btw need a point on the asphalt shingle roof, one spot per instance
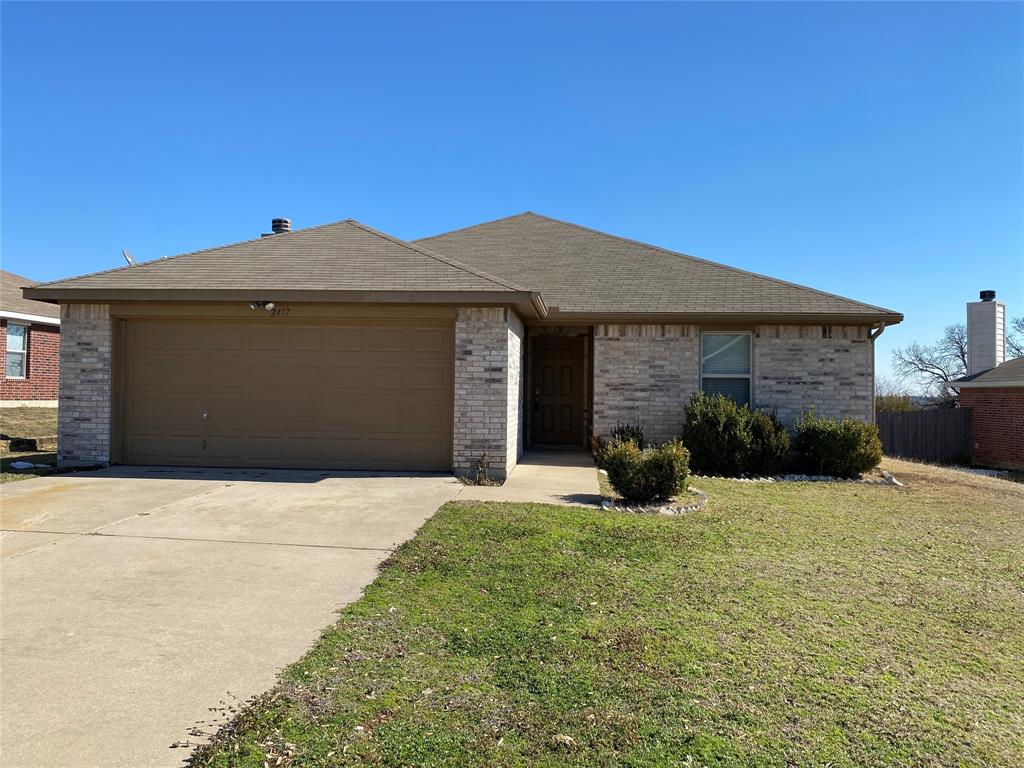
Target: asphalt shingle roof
(1008, 374)
(344, 256)
(11, 299)
(581, 270)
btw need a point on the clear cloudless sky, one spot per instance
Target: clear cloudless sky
(868, 149)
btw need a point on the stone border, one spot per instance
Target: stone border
(672, 508)
(887, 478)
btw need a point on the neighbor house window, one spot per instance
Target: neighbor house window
(725, 365)
(17, 350)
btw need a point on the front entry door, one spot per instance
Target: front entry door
(557, 383)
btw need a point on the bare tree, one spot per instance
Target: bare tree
(1015, 338)
(930, 366)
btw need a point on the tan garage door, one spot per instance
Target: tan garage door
(335, 395)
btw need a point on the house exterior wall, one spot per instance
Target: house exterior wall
(488, 389)
(83, 424)
(830, 367)
(40, 382)
(646, 373)
(997, 425)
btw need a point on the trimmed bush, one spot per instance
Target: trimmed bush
(598, 447)
(768, 452)
(622, 433)
(655, 474)
(729, 439)
(716, 434)
(843, 448)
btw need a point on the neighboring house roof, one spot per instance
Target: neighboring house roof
(16, 307)
(583, 271)
(1008, 374)
(345, 260)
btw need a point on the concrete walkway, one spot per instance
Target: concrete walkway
(135, 598)
(545, 477)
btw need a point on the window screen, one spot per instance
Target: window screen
(725, 365)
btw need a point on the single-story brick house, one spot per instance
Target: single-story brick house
(31, 344)
(996, 400)
(340, 346)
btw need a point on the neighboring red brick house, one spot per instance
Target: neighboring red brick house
(996, 400)
(30, 335)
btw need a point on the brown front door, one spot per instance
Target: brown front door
(557, 382)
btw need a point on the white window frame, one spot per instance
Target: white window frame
(22, 352)
(749, 375)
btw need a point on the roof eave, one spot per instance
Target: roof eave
(865, 318)
(56, 295)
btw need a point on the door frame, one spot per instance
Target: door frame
(582, 339)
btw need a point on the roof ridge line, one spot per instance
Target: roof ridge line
(438, 257)
(161, 259)
(481, 224)
(712, 263)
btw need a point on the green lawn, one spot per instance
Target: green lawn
(786, 624)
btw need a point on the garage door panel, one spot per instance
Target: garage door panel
(345, 395)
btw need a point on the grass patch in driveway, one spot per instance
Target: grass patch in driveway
(786, 624)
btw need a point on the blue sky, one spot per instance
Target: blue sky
(868, 149)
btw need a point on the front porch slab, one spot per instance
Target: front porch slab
(544, 477)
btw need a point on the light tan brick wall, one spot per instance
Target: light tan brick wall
(83, 421)
(644, 374)
(488, 389)
(829, 368)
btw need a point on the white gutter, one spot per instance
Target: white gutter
(30, 318)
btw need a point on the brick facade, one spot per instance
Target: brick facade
(488, 389)
(997, 425)
(42, 364)
(83, 425)
(830, 367)
(645, 373)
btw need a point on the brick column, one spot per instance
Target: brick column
(83, 422)
(488, 389)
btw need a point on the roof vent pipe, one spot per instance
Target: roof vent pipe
(987, 295)
(277, 226)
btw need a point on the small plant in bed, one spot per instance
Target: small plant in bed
(646, 476)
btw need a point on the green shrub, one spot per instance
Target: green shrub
(843, 448)
(717, 434)
(621, 433)
(768, 452)
(654, 474)
(729, 439)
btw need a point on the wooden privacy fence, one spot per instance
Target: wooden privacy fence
(938, 435)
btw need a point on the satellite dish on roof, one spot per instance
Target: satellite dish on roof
(128, 257)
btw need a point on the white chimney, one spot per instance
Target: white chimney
(986, 333)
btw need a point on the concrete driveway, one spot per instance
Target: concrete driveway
(131, 600)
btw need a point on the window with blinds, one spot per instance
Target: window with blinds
(725, 365)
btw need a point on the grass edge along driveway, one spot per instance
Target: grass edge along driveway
(786, 624)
